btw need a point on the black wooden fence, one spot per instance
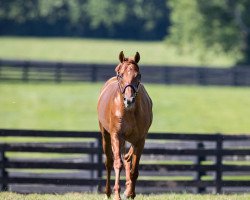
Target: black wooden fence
(64, 71)
(170, 162)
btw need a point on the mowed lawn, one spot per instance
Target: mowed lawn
(83, 196)
(72, 106)
(106, 51)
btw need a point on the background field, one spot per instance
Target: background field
(78, 196)
(106, 51)
(72, 106)
(215, 28)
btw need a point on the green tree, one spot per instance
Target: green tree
(130, 19)
(218, 24)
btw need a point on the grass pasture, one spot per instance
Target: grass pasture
(106, 51)
(72, 106)
(84, 196)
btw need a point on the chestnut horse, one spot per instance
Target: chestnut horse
(124, 114)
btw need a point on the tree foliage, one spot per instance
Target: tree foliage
(134, 19)
(218, 24)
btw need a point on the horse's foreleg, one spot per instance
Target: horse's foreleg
(116, 146)
(106, 144)
(134, 172)
(127, 164)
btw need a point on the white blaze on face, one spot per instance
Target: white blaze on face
(126, 104)
(128, 92)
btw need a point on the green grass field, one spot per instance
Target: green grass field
(84, 196)
(105, 51)
(72, 106)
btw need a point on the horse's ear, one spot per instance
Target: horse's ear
(137, 57)
(121, 56)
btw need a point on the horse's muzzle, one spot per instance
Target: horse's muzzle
(128, 102)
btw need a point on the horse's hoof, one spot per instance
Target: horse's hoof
(106, 197)
(124, 197)
(117, 199)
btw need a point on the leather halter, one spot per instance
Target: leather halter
(134, 88)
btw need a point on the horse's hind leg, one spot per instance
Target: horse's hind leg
(106, 144)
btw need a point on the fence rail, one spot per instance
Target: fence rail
(24, 70)
(208, 163)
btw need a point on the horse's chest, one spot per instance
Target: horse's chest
(130, 130)
(128, 126)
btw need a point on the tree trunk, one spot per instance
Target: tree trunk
(246, 51)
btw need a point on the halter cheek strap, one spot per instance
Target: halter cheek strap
(135, 89)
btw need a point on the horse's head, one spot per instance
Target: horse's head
(129, 77)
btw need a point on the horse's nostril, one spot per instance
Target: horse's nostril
(129, 101)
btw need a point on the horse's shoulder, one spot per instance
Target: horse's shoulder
(108, 86)
(109, 82)
(144, 91)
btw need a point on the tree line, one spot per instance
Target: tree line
(221, 25)
(130, 19)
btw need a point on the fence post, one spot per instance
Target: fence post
(167, 75)
(219, 148)
(199, 161)
(100, 161)
(202, 76)
(58, 76)
(91, 160)
(25, 77)
(3, 172)
(234, 72)
(0, 70)
(94, 73)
